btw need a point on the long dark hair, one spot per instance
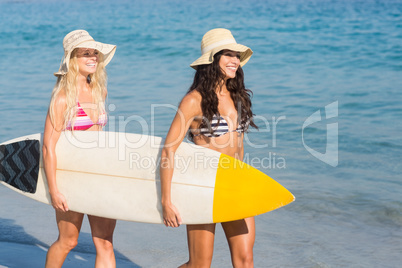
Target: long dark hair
(210, 76)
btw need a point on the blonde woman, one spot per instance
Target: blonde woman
(217, 110)
(77, 104)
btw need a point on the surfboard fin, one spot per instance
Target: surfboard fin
(19, 164)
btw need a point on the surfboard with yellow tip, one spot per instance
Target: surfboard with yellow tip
(116, 175)
(243, 191)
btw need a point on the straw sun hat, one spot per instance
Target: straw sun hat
(216, 40)
(81, 38)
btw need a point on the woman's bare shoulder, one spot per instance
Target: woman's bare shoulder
(191, 103)
(61, 98)
(192, 98)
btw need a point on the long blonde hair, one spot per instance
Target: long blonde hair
(67, 84)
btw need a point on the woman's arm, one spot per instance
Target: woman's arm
(50, 137)
(189, 108)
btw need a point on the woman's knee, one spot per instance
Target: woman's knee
(69, 243)
(244, 259)
(102, 244)
(248, 259)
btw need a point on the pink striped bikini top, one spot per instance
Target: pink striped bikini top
(83, 121)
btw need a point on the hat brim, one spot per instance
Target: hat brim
(106, 49)
(208, 57)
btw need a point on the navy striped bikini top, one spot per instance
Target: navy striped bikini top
(220, 127)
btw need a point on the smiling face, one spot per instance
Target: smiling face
(87, 60)
(229, 62)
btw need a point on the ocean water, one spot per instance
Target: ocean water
(326, 77)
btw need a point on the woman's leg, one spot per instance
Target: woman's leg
(102, 234)
(69, 225)
(200, 239)
(241, 236)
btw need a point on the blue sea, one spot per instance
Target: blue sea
(326, 78)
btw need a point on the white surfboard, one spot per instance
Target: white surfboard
(116, 175)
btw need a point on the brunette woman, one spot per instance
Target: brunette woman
(216, 111)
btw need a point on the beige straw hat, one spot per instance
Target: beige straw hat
(81, 38)
(216, 40)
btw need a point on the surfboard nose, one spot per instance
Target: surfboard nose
(241, 189)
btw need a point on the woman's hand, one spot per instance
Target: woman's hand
(59, 202)
(171, 216)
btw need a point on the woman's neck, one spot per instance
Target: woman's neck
(82, 84)
(222, 89)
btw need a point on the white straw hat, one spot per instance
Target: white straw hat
(81, 38)
(216, 40)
